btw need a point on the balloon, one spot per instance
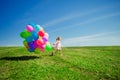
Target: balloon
(22, 34)
(40, 37)
(27, 47)
(39, 42)
(29, 28)
(47, 35)
(29, 39)
(44, 39)
(36, 39)
(47, 46)
(38, 28)
(42, 47)
(35, 35)
(32, 24)
(41, 33)
(25, 34)
(31, 50)
(25, 43)
(32, 45)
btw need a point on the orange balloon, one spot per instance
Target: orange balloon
(40, 37)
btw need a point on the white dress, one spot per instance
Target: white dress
(57, 45)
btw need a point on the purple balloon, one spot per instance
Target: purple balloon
(32, 45)
(45, 39)
(31, 50)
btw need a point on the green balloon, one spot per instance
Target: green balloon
(25, 34)
(48, 47)
(22, 34)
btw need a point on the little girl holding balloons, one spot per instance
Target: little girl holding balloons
(57, 46)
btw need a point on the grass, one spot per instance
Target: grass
(77, 63)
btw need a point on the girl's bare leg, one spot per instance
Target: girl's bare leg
(55, 52)
(60, 52)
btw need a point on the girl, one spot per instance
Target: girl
(57, 46)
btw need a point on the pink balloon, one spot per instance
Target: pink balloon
(39, 42)
(42, 47)
(46, 35)
(29, 28)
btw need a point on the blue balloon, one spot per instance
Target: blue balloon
(34, 35)
(32, 24)
(37, 28)
(29, 39)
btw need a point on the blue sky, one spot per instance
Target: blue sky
(78, 22)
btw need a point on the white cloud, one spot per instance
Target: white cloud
(93, 40)
(75, 15)
(88, 21)
(99, 18)
(78, 14)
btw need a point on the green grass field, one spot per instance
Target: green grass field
(77, 63)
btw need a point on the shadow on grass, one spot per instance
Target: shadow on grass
(21, 58)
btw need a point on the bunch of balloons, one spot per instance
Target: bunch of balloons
(36, 39)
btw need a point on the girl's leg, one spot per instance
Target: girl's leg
(60, 52)
(54, 53)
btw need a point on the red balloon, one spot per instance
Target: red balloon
(41, 33)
